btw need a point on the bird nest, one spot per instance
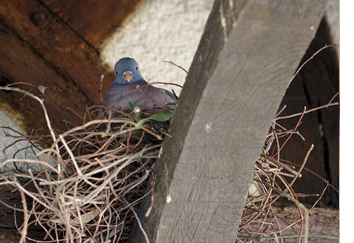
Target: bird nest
(92, 191)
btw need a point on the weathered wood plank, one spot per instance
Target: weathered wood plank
(56, 43)
(20, 64)
(246, 57)
(94, 20)
(39, 48)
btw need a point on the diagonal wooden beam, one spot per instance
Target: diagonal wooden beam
(241, 70)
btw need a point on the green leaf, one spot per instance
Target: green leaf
(161, 117)
(141, 122)
(157, 117)
(131, 105)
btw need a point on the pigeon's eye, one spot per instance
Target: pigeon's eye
(116, 73)
(137, 68)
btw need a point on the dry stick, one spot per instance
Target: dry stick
(270, 159)
(45, 114)
(76, 204)
(128, 140)
(264, 219)
(109, 219)
(41, 193)
(180, 86)
(286, 227)
(55, 143)
(11, 207)
(71, 155)
(304, 209)
(98, 189)
(297, 125)
(98, 170)
(176, 66)
(140, 140)
(278, 146)
(109, 121)
(332, 99)
(19, 186)
(276, 221)
(138, 220)
(308, 111)
(29, 161)
(298, 70)
(292, 192)
(151, 99)
(43, 89)
(265, 203)
(283, 134)
(110, 184)
(249, 235)
(319, 198)
(303, 163)
(270, 205)
(113, 137)
(134, 183)
(101, 214)
(143, 178)
(276, 198)
(313, 174)
(25, 217)
(100, 88)
(275, 135)
(25, 138)
(44, 228)
(148, 211)
(43, 107)
(257, 214)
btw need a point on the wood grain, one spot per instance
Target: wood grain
(94, 20)
(240, 72)
(39, 48)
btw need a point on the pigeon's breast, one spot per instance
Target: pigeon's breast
(139, 93)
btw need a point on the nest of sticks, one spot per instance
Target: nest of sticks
(100, 175)
(273, 179)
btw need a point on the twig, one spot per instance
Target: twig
(304, 209)
(298, 70)
(138, 220)
(176, 66)
(25, 217)
(42, 104)
(100, 88)
(303, 164)
(308, 111)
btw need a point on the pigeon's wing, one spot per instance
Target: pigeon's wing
(114, 94)
(170, 95)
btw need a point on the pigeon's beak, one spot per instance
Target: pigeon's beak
(128, 75)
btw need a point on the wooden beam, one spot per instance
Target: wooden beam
(241, 70)
(94, 20)
(53, 41)
(37, 47)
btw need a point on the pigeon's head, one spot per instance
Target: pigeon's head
(127, 71)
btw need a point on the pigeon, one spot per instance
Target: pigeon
(130, 86)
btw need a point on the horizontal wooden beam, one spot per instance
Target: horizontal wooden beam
(37, 47)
